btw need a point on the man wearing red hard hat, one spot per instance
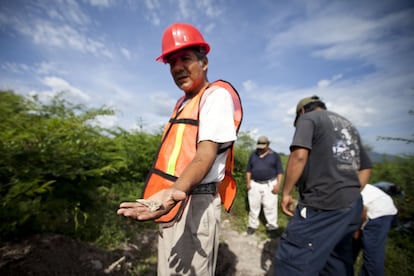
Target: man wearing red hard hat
(191, 174)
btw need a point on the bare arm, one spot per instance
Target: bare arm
(296, 164)
(357, 233)
(363, 176)
(248, 178)
(276, 188)
(191, 176)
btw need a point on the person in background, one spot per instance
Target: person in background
(329, 165)
(377, 217)
(193, 166)
(263, 177)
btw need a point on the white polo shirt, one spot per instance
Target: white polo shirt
(378, 202)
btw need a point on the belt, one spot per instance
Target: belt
(207, 188)
(264, 181)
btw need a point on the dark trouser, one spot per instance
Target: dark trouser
(373, 242)
(320, 244)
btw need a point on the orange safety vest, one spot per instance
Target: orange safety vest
(178, 148)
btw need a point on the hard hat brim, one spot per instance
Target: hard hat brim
(162, 57)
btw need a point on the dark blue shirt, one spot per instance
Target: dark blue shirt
(264, 168)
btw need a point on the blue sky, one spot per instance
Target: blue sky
(358, 56)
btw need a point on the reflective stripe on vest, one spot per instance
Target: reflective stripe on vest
(178, 148)
(172, 162)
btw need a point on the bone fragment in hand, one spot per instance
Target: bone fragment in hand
(151, 204)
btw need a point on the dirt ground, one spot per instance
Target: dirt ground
(239, 255)
(245, 255)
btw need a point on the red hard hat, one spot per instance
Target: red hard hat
(179, 36)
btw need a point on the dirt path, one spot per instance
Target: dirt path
(245, 255)
(50, 254)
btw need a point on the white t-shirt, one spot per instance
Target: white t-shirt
(216, 123)
(377, 202)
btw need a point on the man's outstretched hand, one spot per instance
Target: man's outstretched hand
(166, 200)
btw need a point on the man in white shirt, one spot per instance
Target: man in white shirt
(379, 212)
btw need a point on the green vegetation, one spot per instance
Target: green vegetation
(61, 173)
(400, 244)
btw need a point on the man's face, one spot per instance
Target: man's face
(188, 72)
(261, 151)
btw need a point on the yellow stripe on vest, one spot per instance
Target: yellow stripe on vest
(172, 161)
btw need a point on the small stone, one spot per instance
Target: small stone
(151, 204)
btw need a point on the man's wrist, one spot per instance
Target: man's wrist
(177, 195)
(174, 189)
(285, 193)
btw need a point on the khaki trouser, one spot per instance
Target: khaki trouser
(190, 245)
(260, 194)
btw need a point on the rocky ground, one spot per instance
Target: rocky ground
(239, 255)
(245, 255)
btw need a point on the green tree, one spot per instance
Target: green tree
(53, 159)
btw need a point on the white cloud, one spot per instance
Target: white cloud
(335, 31)
(100, 3)
(60, 85)
(248, 85)
(209, 28)
(106, 121)
(47, 31)
(184, 8)
(64, 36)
(210, 10)
(152, 4)
(16, 68)
(371, 104)
(88, 50)
(326, 83)
(152, 14)
(43, 68)
(192, 10)
(50, 68)
(323, 83)
(154, 18)
(126, 53)
(67, 11)
(161, 103)
(339, 35)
